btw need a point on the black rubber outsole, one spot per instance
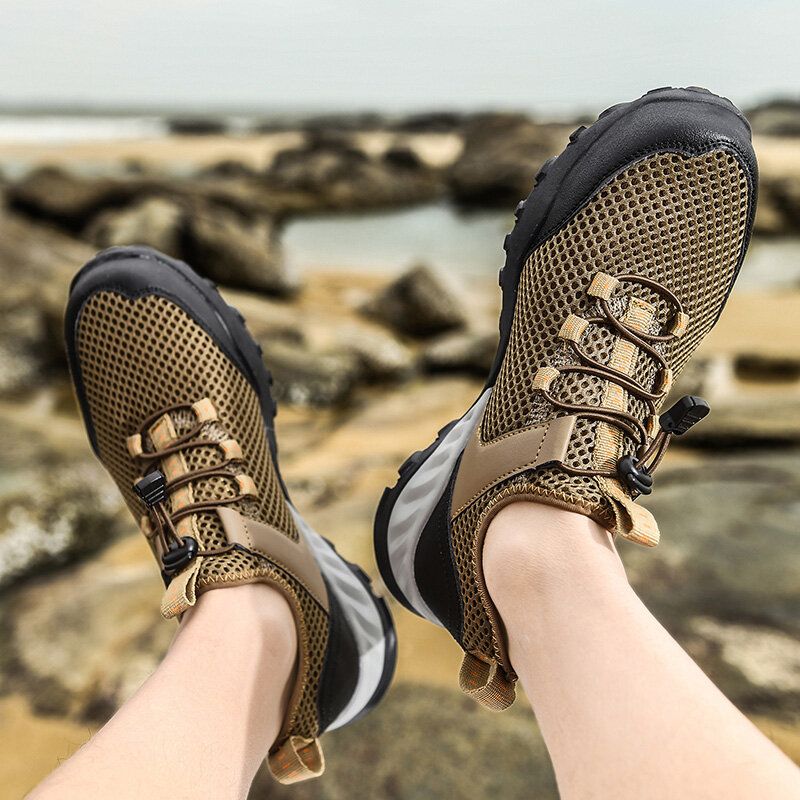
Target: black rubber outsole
(531, 228)
(249, 357)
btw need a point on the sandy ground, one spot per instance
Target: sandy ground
(184, 153)
(778, 157)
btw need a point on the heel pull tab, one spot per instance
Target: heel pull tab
(296, 759)
(486, 683)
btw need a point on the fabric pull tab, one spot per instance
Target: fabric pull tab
(633, 522)
(296, 759)
(486, 683)
(181, 595)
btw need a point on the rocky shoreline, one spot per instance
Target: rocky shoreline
(367, 367)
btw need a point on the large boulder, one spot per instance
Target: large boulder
(308, 377)
(777, 118)
(471, 352)
(23, 338)
(154, 221)
(80, 642)
(237, 250)
(724, 577)
(333, 173)
(36, 266)
(501, 155)
(375, 754)
(57, 505)
(197, 126)
(416, 304)
(778, 206)
(69, 200)
(379, 356)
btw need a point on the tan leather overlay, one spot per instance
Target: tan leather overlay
(292, 556)
(484, 465)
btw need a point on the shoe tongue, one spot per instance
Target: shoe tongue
(174, 424)
(183, 420)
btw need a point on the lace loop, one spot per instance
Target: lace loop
(164, 519)
(648, 451)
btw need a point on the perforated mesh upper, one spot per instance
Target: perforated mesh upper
(140, 356)
(678, 220)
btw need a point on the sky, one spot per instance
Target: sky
(552, 57)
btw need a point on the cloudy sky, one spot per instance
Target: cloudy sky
(555, 56)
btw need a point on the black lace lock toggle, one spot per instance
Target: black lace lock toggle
(634, 477)
(179, 556)
(152, 489)
(687, 412)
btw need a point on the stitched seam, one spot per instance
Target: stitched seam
(274, 562)
(505, 475)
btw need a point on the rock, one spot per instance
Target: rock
(710, 377)
(84, 640)
(742, 415)
(197, 126)
(57, 505)
(375, 754)
(768, 660)
(402, 158)
(760, 367)
(469, 352)
(728, 554)
(416, 304)
(380, 357)
(778, 210)
(237, 251)
(749, 423)
(154, 221)
(23, 338)
(770, 216)
(501, 155)
(777, 118)
(332, 173)
(788, 198)
(69, 200)
(58, 519)
(325, 123)
(36, 266)
(306, 377)
(228, 168)
(430, 122)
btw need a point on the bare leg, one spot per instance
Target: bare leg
(202, 723)
(624, 711)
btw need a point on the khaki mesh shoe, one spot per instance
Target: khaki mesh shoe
(177, 406)
(619, 264)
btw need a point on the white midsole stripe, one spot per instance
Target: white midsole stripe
(417, 500)
(362, 615)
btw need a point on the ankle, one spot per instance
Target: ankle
(255, 612)
(535, 548)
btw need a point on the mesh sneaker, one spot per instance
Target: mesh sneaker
(177, 406)
(620, 262)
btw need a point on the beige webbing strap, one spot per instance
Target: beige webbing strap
(486, 683)
(296, 759)
(632, 521)
(181, 593)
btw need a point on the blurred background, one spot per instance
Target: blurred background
(347, 172)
